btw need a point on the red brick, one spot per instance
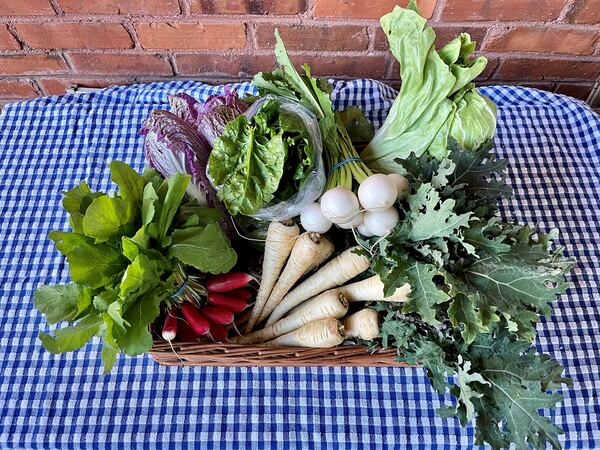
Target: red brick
(17, 89)
(324, 38)
(344, 66)
(25, 8)
(581, 91)
(503, 10)
(261, 7)
(74, 35)
(444, 34)
(248, 65)
(542, 86)
(545, 40)
(119, 64)
(7, 41)
(142, 7)
(32, 65)
(228, 65)
(58, 86)
(191, 35)
(585, 11)
(547, 69)
(374, 9)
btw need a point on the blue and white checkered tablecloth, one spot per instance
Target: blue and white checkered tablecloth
(48, 145)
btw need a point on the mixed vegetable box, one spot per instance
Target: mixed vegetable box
(277, 221)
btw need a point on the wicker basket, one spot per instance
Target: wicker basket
(233, 355)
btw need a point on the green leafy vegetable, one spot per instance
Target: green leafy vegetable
(478, 288)
(123, 255)
(62, 302)
(247, 160)
(205, 248)
(437, 99)
(314, 95)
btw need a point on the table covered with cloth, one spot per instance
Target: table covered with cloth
(48, 145)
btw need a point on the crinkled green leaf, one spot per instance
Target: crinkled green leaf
(463, 313)
(432, 218)
(205, 248)
(62, 302)
(247, 163)
(396, 331)
(425, 292)
(518, 383)
(514, 286)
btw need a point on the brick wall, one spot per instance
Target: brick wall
(47, 44)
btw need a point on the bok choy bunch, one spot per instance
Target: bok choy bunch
(437, 99)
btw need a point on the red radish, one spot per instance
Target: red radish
(236, 305)
(228, 282)
(169, 330)
(217, 314)
(196, 320)
(185, 333)
(218, 333)
(244, 294)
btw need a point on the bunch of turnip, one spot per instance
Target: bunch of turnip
(371, 212)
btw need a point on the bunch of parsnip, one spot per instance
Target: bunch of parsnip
(314, 313)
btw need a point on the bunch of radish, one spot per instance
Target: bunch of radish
(371, 213)
(226, 296)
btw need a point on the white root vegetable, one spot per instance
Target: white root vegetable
(339, 205)
(362, 229)
(371, 289)
(336, 272)
(329, 304)
(381, 223)
(363, 324)
(377, 193)
(312, 219)
(320, 334)
(279, 244)
(401, 184)
(354, 222)
(308, 252)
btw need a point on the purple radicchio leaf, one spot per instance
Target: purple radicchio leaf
(208, 118)
(171, 146)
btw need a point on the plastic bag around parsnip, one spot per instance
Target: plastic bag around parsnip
(231, 163)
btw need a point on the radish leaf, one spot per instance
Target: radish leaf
(205, 248)
(62, 302)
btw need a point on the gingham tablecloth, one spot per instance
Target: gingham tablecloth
(48, 145)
